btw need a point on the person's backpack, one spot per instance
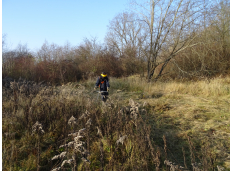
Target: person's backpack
(101, 80)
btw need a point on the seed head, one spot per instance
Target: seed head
(67, 161)
(121, 139)
(72, 121)
(13, 85)
(60, 156)
(89, 122)
(37, 128)
(56, 169)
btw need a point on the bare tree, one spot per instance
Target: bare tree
(124, 38)
(221, 23)
(211, 55)
(89, 48)
(4, 44)
(171, 27)
(124, 31)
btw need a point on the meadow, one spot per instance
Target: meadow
(163, 125)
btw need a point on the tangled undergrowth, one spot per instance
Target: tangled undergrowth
(66, 128)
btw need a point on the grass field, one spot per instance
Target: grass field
(199, 109)
(185, 121)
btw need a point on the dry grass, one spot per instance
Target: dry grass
(198, 109)
(123, 133)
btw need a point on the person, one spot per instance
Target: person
(103, 84)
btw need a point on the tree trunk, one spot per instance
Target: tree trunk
(151, 73)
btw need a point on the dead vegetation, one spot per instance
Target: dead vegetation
(74, 131)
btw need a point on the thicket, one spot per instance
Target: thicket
(78, 66)
(209, 57)
(126, 51)
(203, 60)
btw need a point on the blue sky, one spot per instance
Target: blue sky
(32, 22)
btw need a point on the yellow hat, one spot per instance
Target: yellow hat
(103, 75)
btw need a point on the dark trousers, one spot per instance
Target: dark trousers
(104, 96)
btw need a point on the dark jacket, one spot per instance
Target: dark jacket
(103, 83)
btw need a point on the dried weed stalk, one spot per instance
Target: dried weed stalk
(77, 146)
(37, 129)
